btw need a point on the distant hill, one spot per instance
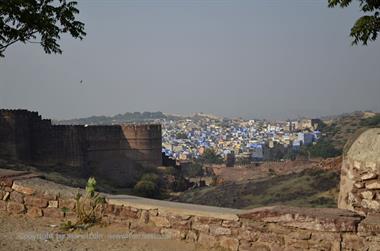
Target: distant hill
(339, 129)
(309, 188)
(128, 117)
(133, 117)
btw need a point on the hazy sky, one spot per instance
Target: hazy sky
(266, 59)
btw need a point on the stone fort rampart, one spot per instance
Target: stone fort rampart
(114, 152)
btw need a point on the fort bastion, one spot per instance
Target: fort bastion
(116, 152)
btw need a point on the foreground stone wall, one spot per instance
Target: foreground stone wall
(271, 228)
(360, 175)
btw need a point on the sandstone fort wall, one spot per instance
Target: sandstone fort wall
(114, 152)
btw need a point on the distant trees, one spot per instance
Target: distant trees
(181, 135)
(194, 169)
(210, 157)
(148, 186)
(372, 121)
(367, 27)
(322, 148)
(38, 21)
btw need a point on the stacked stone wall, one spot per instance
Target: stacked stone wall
(272, 228)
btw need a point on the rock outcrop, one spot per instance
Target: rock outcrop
(360, 175)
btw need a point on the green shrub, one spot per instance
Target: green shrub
(154, 178)
(193, 170)
(372, 121)
(88, 208)
(147, 188)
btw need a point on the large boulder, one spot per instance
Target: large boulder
(360, 176)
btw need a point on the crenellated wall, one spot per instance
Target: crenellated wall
(115, 153)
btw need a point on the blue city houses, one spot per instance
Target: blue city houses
(246, 137)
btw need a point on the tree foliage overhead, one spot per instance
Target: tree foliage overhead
(367, 27)
(38, 21)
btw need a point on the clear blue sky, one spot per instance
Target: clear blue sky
(267, 59)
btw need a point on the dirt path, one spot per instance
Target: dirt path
(23, 233)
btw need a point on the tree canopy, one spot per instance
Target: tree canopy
(38, 21)
(367, 27)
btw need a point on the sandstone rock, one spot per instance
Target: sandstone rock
(144, 217)
(229, 243)
(300, 235)
(260, 247)
(357, 165)
(271, 238)
(231, 223)
(245, 246)
(181, 224)
(53, 212)
(171, 233)
(371, 204)
(109, 209)
(216, 231)
(352, 199)
(16, 197)
(368, 176)
(16, 208)
(6, 195)
(359, 185)
(368, 195)
(160, 221)
(245, 235)
(128, 212)
(294, 244)
(207, 240)
(208, 220)
(192, 236)
(149, 229)
(3, 205)
(67, 203)
(48, 195)
(23, 189)
(34, 212)
(36, 202)
(201, 227)
(352, 242)
(153, 212)
(336, 246)
(371, 165)
(53, 203)
(373, 185)
(370, 226)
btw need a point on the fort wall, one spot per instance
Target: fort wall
(115, 153)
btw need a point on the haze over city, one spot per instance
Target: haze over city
(266, 59)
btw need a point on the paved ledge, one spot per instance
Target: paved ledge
(320, 219)
(175, 207)
(7, 177)
(36, 185)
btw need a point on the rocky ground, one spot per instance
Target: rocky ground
(23, 233)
